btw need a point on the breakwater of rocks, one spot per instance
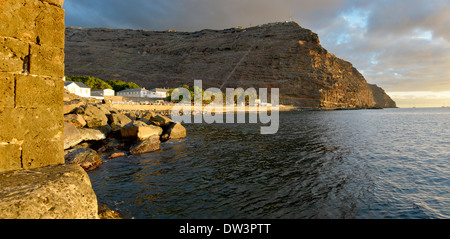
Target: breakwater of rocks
(94, 131)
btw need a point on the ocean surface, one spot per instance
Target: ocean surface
(392, 163)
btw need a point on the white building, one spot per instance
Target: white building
(77, 88)
(141, 92)
(102, 93)
(158, 93)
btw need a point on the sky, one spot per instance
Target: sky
(402, 46)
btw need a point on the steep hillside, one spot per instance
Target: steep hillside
(276, 55)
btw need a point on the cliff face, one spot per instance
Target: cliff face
(382, 100)
(278, 55)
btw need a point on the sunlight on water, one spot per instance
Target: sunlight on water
(340, 164)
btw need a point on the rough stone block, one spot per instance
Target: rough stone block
(10, 156)
(17, 18)
(70, 106)
(31, 124)
(36, 124)
(57, 192)
(12, 54)
(42, 153)
(39, 92)
(94, 117)
(34, 21)
(75, 119)
(87, 158)
(151, 144)
(9, 125)
(175, 131)
(71, 135)
(50, 27)
(146, 132)
(6, 90)
(46, 61)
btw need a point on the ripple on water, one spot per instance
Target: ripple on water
(343, 164)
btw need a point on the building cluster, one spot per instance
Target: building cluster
(157, 93)
(83, 90)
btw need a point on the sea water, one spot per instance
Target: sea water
(392, 163)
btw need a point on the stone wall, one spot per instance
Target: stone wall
(31, 86)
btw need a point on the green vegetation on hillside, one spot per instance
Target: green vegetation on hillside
(192, 90)
(119, 85)
(98, 84)
(92, 82)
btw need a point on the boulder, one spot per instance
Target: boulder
(87, 158)
(118, 121)
(148, 131)
(140, 130)
(148, 115)
(130, 130)
(106, 129)
(79, 111)
(112, 145)
(104, 212)
(131, 115)
(71, 135)
(175, 131)
(78, 146)
(55, 192)
(151, 144)
(75, 119)
(94, 117)
(91, 134)
(104, 108)
(161, 121)
(70, 106)
(116, 155)
(113, 110)
(145, 120)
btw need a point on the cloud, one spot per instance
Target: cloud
(192, 15)
(400, 17)
(401, 45)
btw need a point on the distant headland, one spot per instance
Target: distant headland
(277, 55)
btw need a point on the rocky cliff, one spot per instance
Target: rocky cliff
(382, 100)
(276, 55)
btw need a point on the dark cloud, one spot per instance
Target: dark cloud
(401, 45)
(191, 15)
(404, 17)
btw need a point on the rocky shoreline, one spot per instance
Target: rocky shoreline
(94, 131)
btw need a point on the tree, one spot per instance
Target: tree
(92, 82)
(119, 85)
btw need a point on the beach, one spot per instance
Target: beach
(167, 108)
